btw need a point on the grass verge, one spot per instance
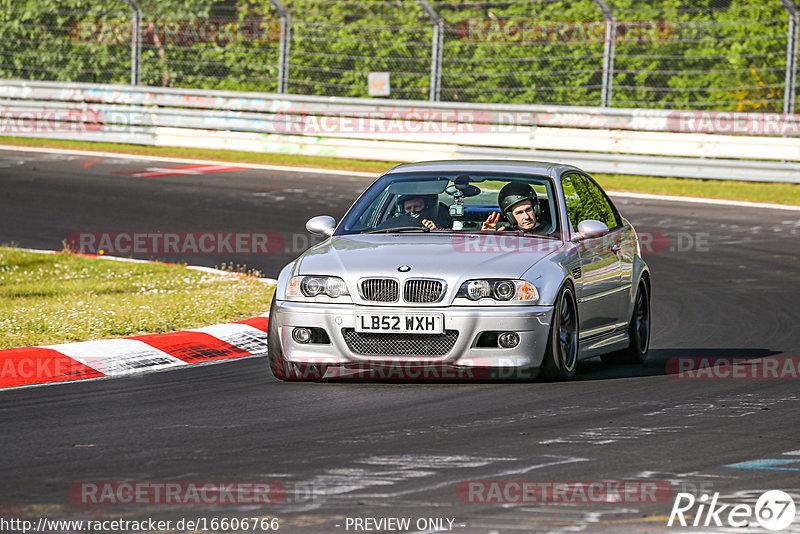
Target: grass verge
(775, 193)
(772, 193)
(61, 298)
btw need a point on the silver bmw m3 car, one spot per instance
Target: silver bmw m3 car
(465, 270)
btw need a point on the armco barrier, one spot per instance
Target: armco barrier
(627, 141)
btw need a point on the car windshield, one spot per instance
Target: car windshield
(455, 202)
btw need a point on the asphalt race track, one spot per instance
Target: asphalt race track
(725, 283)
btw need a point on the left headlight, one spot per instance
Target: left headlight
(499, 290)
(316, 286)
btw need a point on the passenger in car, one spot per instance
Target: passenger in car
(518, 204)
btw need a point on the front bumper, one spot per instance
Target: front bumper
(531, 323)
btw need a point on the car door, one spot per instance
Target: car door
(599, 287)
(623, 242)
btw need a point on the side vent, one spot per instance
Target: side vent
(577, 273)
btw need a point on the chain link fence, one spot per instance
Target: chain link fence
(684, 54)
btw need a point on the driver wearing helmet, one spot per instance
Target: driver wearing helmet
(518, 203)
(420, 207)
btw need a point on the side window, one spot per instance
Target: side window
(605, 211)
(580, 205)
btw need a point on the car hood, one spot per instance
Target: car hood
(452, 257)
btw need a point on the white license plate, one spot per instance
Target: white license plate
(400, 323)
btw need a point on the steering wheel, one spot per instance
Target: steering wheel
(404, 220)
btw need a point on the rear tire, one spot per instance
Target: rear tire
(282, 368)
(561, 355)
(638, 332)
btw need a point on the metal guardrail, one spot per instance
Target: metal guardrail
(614, 140)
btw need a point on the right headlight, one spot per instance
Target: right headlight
(498, 289)
(315, 286)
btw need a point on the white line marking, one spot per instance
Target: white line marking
(112, 258)
(210, 270)
(200, 268)
(560, 461)
(644, 196)
(427, 461)
(700, 200)
(187, 160)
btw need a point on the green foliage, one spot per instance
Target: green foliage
(60, 298)
(36, 44)
(705, 54)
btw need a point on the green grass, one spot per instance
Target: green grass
(62, 298)
(776, 193)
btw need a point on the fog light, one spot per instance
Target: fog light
(301, 335)
(508, 340)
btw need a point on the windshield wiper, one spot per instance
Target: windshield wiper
(400, 229)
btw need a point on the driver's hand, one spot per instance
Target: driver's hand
(491, 222)
(429, 224)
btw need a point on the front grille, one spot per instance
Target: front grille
(418, 290)
(400, 344)
(380, 289)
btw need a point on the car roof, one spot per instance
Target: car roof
(478, 165)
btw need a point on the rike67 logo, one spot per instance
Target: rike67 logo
(774, 510)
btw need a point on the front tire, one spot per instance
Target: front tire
(638, 331)
(561, 355)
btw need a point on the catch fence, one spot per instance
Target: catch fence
(724, 55)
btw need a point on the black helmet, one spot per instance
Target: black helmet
(514, 193)
(429, 201)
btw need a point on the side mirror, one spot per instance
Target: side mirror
(588, 229)
(322, 224)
